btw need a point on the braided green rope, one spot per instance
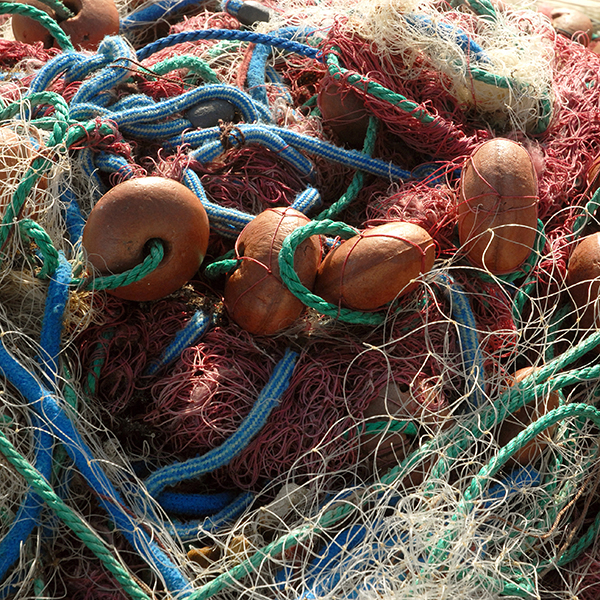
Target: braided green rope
(251, 564)
(38, 166)
(187, 61)
(292, 281)
(43, 18)
(375, 89)
(112, 282)
(97, 363)
(466, 505)
(590, 210)
(38, 234)
(359, 177)
(70, 518)
(222, 265)
(62, 11)
(483, 8)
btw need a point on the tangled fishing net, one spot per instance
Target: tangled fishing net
(443, 446)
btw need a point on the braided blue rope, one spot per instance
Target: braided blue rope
(304, 143)
(193, 529)
(226, 221)
(467, 335)
(117, 56)
(53, 68)
(80, 71)
(27, 516)
(307, 200)
(48, 409)
(85, 157)
(255, 134)
(217, 457)
(250, 110)
(194, 329)
(74, 219)
(112, 163)
(423, 24)
(230, 35)
(349, 158)
(194, 505)
(157, 131)
(231, 6)
(255, 78)
(149, 15)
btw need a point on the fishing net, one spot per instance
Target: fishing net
(444, 445)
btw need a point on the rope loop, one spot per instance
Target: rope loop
(292, 281)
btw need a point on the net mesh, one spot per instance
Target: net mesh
(390, 456)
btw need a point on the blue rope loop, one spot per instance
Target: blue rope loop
(230, 35)
(268, 399)
(28, 514)
(49, 410)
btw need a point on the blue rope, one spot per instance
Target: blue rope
(307, 200)
(86, 160)
(230, 35)
(194, 329)
(226, 221)
(74, 219)
(112, 163)
(48, 408)
(193, 529)
(249, 109)
(255, 78)
(467, 335)
(304, 143)
(29, 511)
(231, 6)
(255, 134)
(445, 31)
(217, 457)
(194, 505)
(149, 15)
(117, 56)
(53, 68)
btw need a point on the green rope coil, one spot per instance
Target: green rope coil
(38, 234)
(292, 281)
(476, 486)
(79, 527)
(137, 273)
(41, 17)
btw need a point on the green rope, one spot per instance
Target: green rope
(250, 565)
(62, 12)
(79, 527)
(38, 166)
(483, 8)
(41, 17)
(589, 211)
(375, 89)
(112, 282)
(38, 234)
(292, 281)
(187, 61)
(359, 177)
(466, 505)
(221, 266)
